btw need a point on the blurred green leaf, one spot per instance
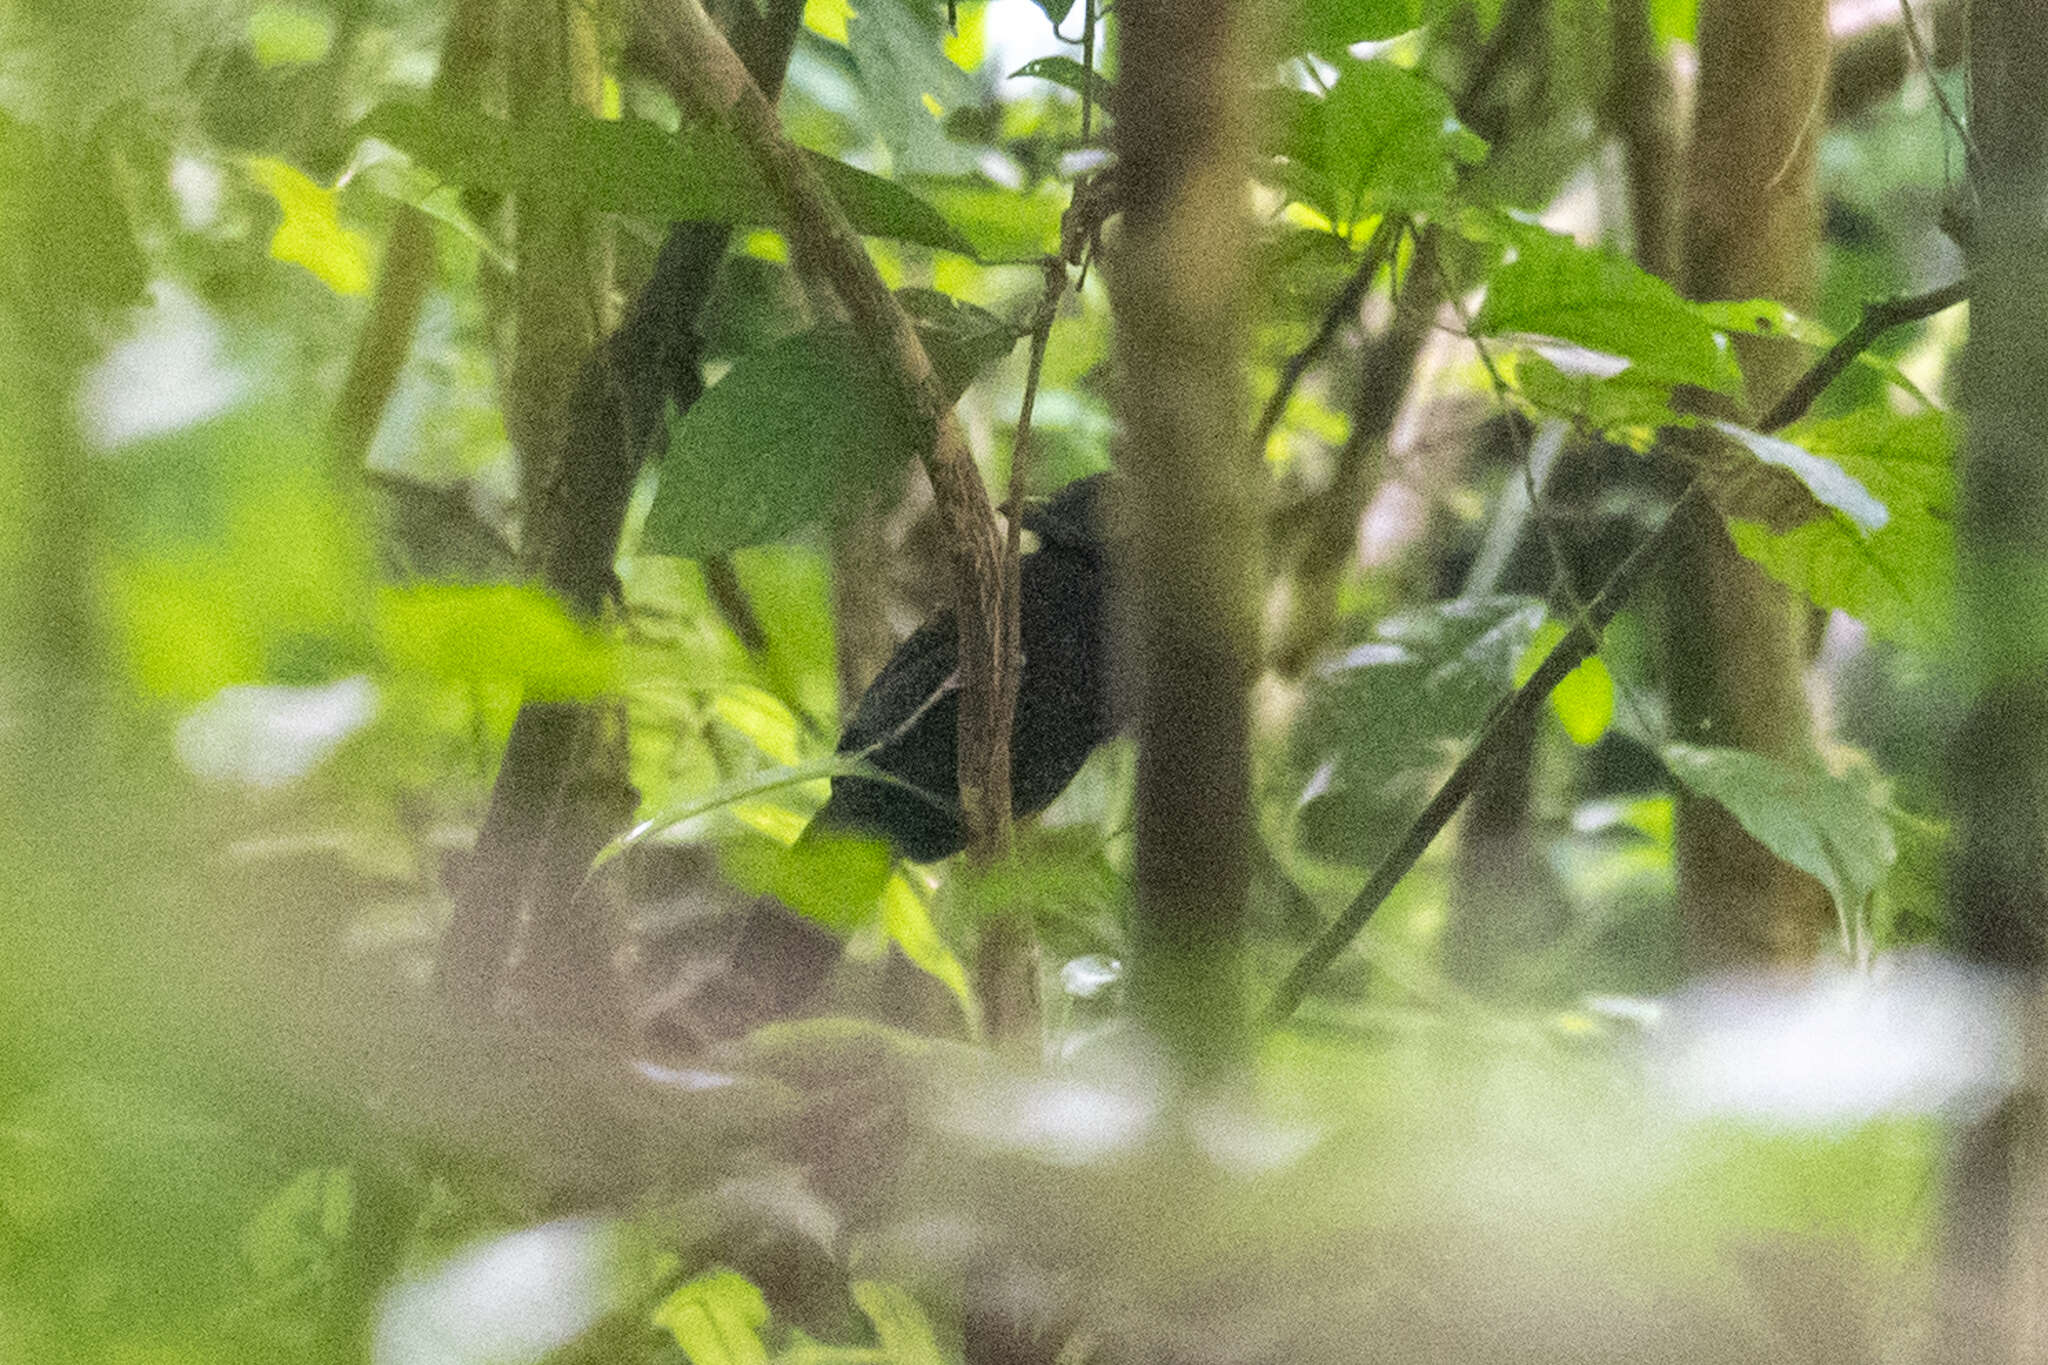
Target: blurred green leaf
(1829, 827)
(311, 233)
(1329, 27)
(905, 1331)
(631, 166)
(1385, 717)
(289, 35)
(65, 230)
(495, 632)
(1583, 701)
(1606, 303)
(717, 1319)
(1389, 140)
(833, 878)
(909, 926)
(1899, 580)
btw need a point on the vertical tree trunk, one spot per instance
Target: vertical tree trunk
(1190, 626)
(1737, 639)
(1997, 1233)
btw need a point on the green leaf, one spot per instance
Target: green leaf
(1606, 303)
(1769, 318)
(289, 35)
(1829, 827)
(1329, 27)
(1384, 718)
(899, 50)
(827, 876)
(768, 448)
(1001, 225)
(1827, 481)
(494, 633)
(1675, 21)
(1056, 10)
(717, 1319)
(961, 339)
(1898, 580)
(1389, 139)
(909, 926)
(900, 1323)
(1069, 74)
(631, 166)
(311, 233)
(1583, 700)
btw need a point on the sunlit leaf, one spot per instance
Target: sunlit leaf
(833, 878)
(909, 926)
(289, 35)
(1583, 701)
(311, 234)
(1605, 302)
(1899, 580)
(717, 1319)
(1827, 826)
(1829, 483)
(495, 632)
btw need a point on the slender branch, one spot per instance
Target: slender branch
(1342, 309)
(1972, 159)
(1006, 959)
(706, 77)
(1878, 318)
(1584, 637)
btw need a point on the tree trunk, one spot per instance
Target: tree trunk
(1737, 639)
(1189, 621)
(1997, 1227)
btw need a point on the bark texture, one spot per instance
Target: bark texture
(1177, 281)
(1738, 639)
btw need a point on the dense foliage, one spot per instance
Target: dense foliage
(270, 621)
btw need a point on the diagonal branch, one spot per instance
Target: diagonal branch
(706, 78)
(1520, 706)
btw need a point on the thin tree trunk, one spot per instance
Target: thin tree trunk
(1996, 1243)
(1190, 628)
(1737, 639)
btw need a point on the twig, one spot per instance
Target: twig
(1570, 652)
(1878, 318)
(1973, 161)
(1006, 961)
(1342, 309)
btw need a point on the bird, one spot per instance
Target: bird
(907, 721)
(906, 725)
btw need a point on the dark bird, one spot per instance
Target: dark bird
(907, 725)
(907, 722)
